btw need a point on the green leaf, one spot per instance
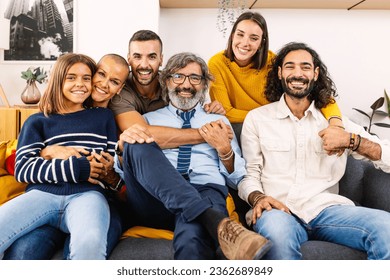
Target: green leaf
(382, 124)
(362, 112)
(388, 103)
(378, 103)
(381, 113)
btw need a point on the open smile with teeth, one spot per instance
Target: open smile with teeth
(297, 84)
(242, 51)
(78, 92)
(99, 90)
(144, 72)
(185, 94)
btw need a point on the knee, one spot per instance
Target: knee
(285, 233)
(139, 150)
(88, 247)
(279, 227)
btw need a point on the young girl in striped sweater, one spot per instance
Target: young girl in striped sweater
(63, 193)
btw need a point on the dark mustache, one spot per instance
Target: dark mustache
(189, 90)
(295, 79)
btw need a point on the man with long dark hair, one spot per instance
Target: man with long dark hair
(292, 178)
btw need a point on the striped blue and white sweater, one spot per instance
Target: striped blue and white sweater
(92, 129)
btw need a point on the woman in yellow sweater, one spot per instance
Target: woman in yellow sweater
(241, 70)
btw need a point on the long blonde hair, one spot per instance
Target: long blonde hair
(52, 101)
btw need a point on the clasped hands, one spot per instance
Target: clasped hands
(101, 164)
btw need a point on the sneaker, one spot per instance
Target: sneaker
(239, 243)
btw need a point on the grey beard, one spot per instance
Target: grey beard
(184, 103)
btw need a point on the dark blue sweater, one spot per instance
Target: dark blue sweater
(91, 129)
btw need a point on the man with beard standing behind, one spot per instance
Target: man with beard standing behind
(142, 94)
(189, 197)
(291, 181)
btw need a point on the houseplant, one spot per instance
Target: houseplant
(376, 112)
(31, 93)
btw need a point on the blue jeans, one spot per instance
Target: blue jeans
(159, 197)
(356, 227)
(42, 243)
(84, 215)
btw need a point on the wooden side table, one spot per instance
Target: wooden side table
(24, 112)
(9, 123)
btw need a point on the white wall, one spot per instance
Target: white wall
(353, 44)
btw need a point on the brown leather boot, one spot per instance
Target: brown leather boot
(239, 243)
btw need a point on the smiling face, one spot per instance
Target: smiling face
(298, 74)
(246, 42)
(77, 86)
(108, 80)
(145, 59)
(185, 96)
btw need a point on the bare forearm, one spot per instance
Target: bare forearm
(168, 137)
(227, 158)
(369, 149)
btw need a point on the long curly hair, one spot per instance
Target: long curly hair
(324, 91)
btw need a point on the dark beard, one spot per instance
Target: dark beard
(295, 93)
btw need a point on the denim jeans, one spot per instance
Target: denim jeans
(42, 243)
(158, 196)
(356, 227)
(84, 215)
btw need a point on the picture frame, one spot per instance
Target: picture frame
(40, 31)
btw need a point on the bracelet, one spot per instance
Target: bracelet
(352, 137)
(358, 143)
(257, 199)
(227, 156)
(335, 117)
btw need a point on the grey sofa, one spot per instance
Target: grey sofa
(362, 183)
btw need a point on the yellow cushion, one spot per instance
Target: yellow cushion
(10, 147)
(10, 188)
(3, 172)
(147, 232)
(3, 150)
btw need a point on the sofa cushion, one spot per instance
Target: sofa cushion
(10, 163)
(10, 188)
(322, 250)
(351, 184)
(143, 249)
(3, 150)
(377, 188)
(147, 232)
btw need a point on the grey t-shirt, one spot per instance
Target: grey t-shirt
(130, 100)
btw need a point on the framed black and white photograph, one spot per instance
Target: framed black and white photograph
(40, 30)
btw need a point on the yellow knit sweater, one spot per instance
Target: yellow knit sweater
(241, 89)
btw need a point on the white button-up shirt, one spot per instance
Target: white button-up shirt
(285, 159)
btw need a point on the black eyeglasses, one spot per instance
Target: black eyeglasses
(194, 79)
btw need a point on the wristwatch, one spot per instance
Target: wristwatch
(117, 150)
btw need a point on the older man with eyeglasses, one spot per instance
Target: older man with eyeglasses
(184, 189)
